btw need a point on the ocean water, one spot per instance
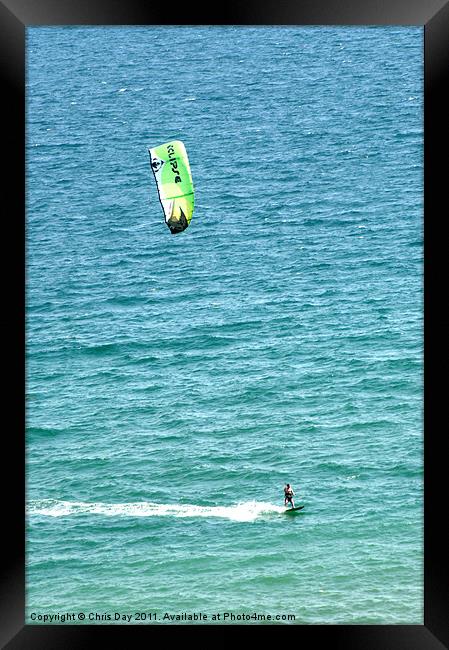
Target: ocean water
(175, 383)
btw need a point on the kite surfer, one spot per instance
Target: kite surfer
(288, 495)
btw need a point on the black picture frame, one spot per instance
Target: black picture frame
(433, 16)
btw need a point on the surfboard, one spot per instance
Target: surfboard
(293, 509)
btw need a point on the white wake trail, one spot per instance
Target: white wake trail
(247, 511)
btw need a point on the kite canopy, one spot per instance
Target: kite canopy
(171, 170)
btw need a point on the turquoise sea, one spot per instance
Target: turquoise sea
(174, 384)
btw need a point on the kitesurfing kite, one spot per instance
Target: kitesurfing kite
(171, 171)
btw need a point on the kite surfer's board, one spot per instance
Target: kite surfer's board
(293, 509)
